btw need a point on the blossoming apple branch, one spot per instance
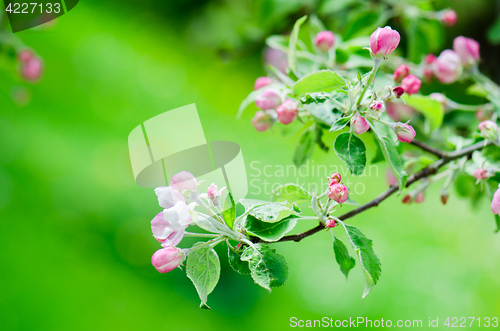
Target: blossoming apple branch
(351, 103)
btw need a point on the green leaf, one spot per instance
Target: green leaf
(392, 157)
(268, 268)
(252, 203)
(271, 212)
(290, 192)
(203, 268)
(305, 147)
(270, 231)
(352, 151)
(319, 81)
(477, 90)
(431, 109)
(369, 261)
(323, 114)
(235, 261)
(345, 261)
(292, 46)
(319, 97)
(340, 124)
(229, 210)
(494, 32)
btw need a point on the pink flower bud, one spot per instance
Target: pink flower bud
(338, 193)
(262, 121)
(481, 173)
(467, 49)
(401, 72)
(377, 105)
(31, 69)
(447, 67)
(489, 129)
(262, 81)
(391, 179)
(495, 203)
(276, 58)
(167, 259)
(183, 180)
(330, 224)
(324, 40)
(398, 91)
(430, 58)
(411, 84)
(25, 55)
(404, 132)
(448, 17)
(335, 178)
(428, 74)
(420, 197)
(287, 112)
(269, 99)
(399, 111)
(384, 41)
(407, 199)
(440, 97)
(483, 115)
(212, 191)
(359, 124)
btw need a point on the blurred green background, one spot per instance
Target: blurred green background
(75, 238)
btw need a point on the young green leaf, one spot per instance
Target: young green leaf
(235, 261)
(229, 210)
(431, 109)
(345, 261)
(369, 261)
(203, 268)
(272, 212)
(270, 231)
(292, 46)
(392, 157)
(340, 124)
(304, 148)
(324, 114)
(352, 151)
(290, 192)
(268, 268)
(252, 203)
(319, 81)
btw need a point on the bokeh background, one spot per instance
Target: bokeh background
(75, 238)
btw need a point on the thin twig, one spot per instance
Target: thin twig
(439, 153)
(426, 172)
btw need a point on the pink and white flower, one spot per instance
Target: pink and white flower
(168, 196)
(495, 203)
(448, 17)
(262, 121)
(489, 130)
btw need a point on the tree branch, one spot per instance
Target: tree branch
(426, 172)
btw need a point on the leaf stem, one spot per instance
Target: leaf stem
(376, 64)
